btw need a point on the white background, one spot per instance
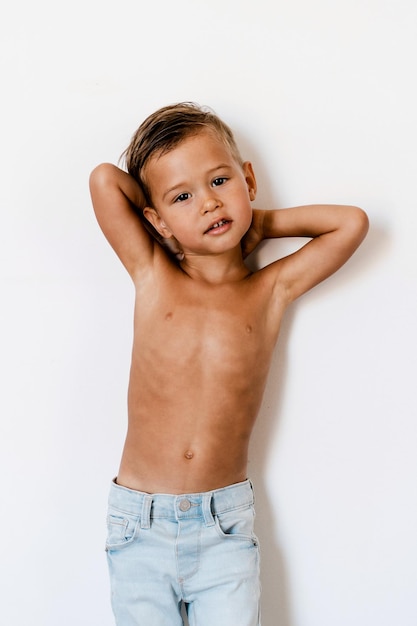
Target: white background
(322, 99)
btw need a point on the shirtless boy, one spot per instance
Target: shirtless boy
(180, 520)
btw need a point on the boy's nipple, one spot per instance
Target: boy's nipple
(189, 455)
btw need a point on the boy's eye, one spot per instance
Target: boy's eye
(219, 181)
(182, 197)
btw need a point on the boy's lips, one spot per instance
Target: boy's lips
(218, 225)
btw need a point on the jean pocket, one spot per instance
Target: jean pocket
(237, 524)
(121, 530)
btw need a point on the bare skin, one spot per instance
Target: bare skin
(200, 361)
(205, 327)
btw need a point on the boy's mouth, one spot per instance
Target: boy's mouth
(217, 225)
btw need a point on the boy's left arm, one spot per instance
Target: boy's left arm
(335, 232)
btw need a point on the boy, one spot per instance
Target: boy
(180, 520)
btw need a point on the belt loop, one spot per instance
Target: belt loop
(207, 512)
(145, 518)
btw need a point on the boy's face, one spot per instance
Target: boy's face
(201, 195)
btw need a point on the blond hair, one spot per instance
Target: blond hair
(165, 129)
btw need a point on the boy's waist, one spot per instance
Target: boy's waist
(187, 505)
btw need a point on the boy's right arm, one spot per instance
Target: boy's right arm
(118, 200)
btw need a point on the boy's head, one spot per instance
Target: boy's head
(165, 129)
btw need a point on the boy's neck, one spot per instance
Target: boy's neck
(216, 269)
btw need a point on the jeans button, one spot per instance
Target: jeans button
(185, 505)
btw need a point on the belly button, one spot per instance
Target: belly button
(188, 455)
(248, 328)
(168, 316)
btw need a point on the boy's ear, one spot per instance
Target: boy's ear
(159, 225)
(250, 179)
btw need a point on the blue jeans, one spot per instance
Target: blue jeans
(199, 549)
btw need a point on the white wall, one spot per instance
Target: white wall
(322, 99)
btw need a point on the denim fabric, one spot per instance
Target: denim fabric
(200, 549)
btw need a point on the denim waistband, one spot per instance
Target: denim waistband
(185, 506)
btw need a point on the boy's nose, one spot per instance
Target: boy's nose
(210, 204)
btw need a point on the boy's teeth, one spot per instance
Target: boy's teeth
(217, 225)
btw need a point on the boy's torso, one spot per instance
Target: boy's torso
(200, 361)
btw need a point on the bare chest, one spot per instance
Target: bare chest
(232, 327)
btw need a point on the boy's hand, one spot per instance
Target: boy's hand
(255, 234)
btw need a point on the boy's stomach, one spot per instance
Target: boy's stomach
(178, 453)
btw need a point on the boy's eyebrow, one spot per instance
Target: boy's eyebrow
(181, 184)
(222, 166)
(171, 189)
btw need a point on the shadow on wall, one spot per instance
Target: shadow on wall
(275, 592)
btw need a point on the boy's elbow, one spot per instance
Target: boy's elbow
(101, 174)
(362, 222)
(359, 222)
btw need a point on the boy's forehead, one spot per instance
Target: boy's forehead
(204, 146)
